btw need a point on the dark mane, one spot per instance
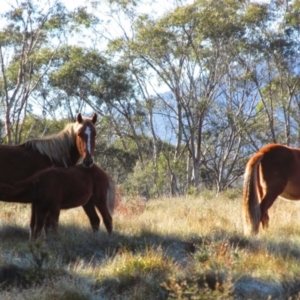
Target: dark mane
(57, 146)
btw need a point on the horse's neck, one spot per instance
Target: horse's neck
(68, 161)
(74, 156)
(69, 157)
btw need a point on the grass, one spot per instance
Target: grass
(171, 248)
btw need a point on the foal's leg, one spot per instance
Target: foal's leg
(40, 217)
(51, 223)
(32, 221)
(100, 203)
(90, 211)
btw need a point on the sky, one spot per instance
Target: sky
(6, 4)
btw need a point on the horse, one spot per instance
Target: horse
(64, 149)
(273, 171)
(53, 189)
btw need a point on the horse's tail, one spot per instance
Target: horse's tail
(111, 195)
(251, 208)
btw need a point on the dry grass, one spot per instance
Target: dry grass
(183, 248)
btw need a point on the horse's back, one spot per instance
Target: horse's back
(280, 158)
(100, 177)
(77, 188)
(280, 170)
(19, 162)
(67, 187)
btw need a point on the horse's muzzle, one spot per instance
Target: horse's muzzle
(87, 162)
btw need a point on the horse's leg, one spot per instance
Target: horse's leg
(100, 203)
(51, 223)
(40, 218)
(266, 202)
(272, 182)
(90, 211)
(32, 221)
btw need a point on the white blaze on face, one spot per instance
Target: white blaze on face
(88, 144)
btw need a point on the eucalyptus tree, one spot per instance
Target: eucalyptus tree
(227, 79)
(189, 50)
(30, 35)
(272, 67)
(284, 47)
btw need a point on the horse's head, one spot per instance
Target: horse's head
(85, 138)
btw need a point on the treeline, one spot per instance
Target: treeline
(184, 96)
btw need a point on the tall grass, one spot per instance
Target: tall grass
(171, 248)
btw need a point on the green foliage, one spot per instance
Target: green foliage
(43, 56)
(141, 182)
(12, 73)
(255, 14)
(37, 127)
(192, 191)
(202, 255)
(161, 38)
(221, 19)
(129, 271)
(86, 72)
(162, 179)
(40, 254)
(115, 45)
(16, 14)
(82, 17)
(208, 194)
(166, 165)
(55, 22)
(118, 162)
(151, 181)
(126, 264)
(292, 16)
(124, 4)
(74, 63)
(232, 193)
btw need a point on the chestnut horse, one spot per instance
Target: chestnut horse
(271, 172)
(53, 189)
(64, 149)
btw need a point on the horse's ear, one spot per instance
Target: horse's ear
(94, 118)
(79, 118)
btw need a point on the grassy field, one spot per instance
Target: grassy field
(171, 248)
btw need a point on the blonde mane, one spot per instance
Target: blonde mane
(57, 146)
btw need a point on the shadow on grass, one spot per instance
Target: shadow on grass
(280, 248)
(10, 233)
(73, 244)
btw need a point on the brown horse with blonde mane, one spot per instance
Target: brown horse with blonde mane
(54, 189)
(274, 171)
(64, 149)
